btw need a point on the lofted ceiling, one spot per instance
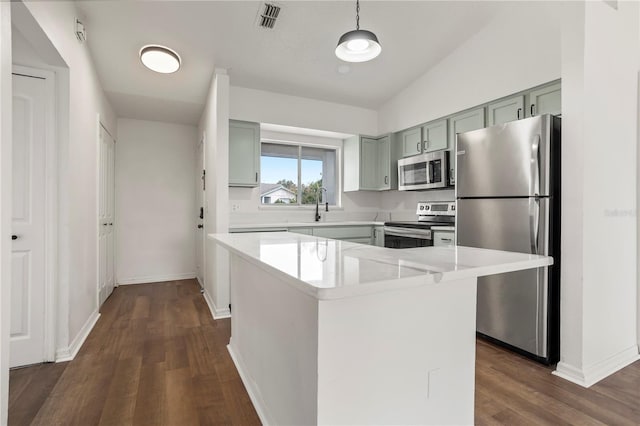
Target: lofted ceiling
(295, 58)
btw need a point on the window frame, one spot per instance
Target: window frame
(298, 205)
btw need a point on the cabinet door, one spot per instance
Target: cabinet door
(378, 236)
(434, 136)
(244, 153)
(443, 239)
(460, 123)
(546, 100)
(369, 173)
(411, 142)
(384, 163)
(507, 110)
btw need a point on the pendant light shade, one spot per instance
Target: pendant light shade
(358, 45)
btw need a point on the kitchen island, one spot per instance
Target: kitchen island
(332, 332)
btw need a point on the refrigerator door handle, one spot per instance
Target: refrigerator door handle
(535, 166)
(534, 223)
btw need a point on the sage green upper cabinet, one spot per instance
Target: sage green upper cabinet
(411, 142)
(369, 175)
(545, 100)
(434, 136)
(368, 164)
(506, 110)
(465, 122)
(460, 123)
(384, 162)
(244, 153)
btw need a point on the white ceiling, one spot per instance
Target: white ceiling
(295, 58)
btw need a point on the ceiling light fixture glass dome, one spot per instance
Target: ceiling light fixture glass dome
(160, 59)
(358, 45)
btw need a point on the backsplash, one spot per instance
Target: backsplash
(356, 206)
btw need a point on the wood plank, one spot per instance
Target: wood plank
(157, 357)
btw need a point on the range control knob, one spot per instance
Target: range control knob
(421, 207)
(426, 207)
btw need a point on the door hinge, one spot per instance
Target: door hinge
(204, 185)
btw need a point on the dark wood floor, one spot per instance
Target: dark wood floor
(157, 357)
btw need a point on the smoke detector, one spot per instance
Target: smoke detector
(267, 14)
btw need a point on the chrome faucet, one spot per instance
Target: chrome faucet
(318, 193)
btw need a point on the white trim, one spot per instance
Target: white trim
(254, 393)
(215, 312)
(156, 278)
(51, 208)
(592, 374)
(70, 352)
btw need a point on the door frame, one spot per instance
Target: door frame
(201, 202)
(51, 208)
(100, 124)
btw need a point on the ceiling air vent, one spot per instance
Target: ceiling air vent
(267, 15)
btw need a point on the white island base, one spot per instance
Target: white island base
(380, 336)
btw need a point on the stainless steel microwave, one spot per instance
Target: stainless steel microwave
(424, 171)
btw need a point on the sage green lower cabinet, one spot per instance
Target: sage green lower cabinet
(305, 231)
(443, 239)
(505, 110)
(434, 136)
(460, 123)
(368, 164)
(546, 100)
(244, 153)
(378, 236)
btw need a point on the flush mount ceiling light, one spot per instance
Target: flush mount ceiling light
(160, 59)
(358, 45)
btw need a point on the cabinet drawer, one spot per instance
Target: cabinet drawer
(305, 231)
(343, 233)
(443, 239)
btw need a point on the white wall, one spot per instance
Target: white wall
(599, 277)
(519, 49)
(275, 108)
(155, 198)
(6, 199)
(214, 130)
(78, 165)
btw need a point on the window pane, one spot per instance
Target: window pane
(279, 174)
(318, 170)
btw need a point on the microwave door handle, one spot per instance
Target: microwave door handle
(430, 177)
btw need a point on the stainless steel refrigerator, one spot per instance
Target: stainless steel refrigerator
(508, 198)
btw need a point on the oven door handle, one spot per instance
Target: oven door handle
(421, 234)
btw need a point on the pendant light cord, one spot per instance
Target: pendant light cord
(357, 14)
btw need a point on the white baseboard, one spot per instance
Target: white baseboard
(200, 282)
(215, 312)
(588, 376)
(254, 393)
(70, 352)
(156, 278)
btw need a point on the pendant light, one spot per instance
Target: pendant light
(358, 45)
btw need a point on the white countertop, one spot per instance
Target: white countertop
(243, 226)
(333, 269)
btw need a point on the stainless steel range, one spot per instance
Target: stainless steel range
(418, 233)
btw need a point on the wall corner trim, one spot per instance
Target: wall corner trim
(215, 311)
(70, 352)
(589, 376)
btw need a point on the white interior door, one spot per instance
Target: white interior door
(106, 213)
(28, 221)
(200, 239)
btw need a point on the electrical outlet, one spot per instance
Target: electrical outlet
(235, 207)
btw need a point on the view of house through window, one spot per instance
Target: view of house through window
(294, 174)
